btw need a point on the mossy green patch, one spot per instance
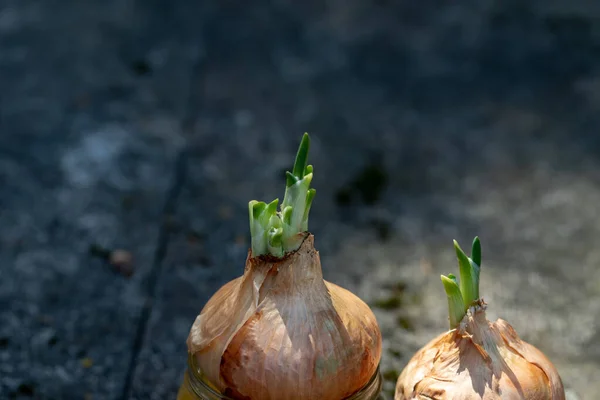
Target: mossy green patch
(405, 323)
(395, 300)
(395, 353)
(391, 375)
(390, 303)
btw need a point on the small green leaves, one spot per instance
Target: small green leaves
(476, 251)
(276, 232)
(468, 286)
(257, 208)
(272, 207)
(275, 241)
(290, 179)
(261, 223)
(309, 198)
(300, 166)
(456, 305)
(287, 215)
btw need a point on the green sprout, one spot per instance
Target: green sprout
(462, 295)
(278, 232)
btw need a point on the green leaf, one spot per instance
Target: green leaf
(469, 277)
(272, 207)
(251, 215)
(290, 179)
(301, 157)
(308, 170)
(275, 222)
(476, 251)
(310, 195)
(287, 215)
(258, 207)
(275, 238)
(456, 305)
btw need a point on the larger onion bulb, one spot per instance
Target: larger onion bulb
(280, 331)
(477, 359)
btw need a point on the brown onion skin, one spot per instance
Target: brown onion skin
(291, 335)
(480, 360)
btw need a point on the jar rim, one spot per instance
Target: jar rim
(373, 385)
(199, 380)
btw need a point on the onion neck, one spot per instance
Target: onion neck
(485, 336)
(463, 294)
(293, 270)
(474, 321)
(276, 232)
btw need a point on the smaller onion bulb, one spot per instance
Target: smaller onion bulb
(280, 331)
(477, 359)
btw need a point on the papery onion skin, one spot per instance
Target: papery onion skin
(281, 332)
(480, 360)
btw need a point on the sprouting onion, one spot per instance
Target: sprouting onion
(477, 359)
(278, 232)
(280, 331)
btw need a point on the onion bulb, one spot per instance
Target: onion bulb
(477, 359)
(280, 331)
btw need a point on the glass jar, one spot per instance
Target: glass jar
(195, 387)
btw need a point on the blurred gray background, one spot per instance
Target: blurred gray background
(134, 133)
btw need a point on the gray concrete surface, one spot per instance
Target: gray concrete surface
(148, 126)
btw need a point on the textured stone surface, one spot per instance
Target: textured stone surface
(86, 160)
(429, 123)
